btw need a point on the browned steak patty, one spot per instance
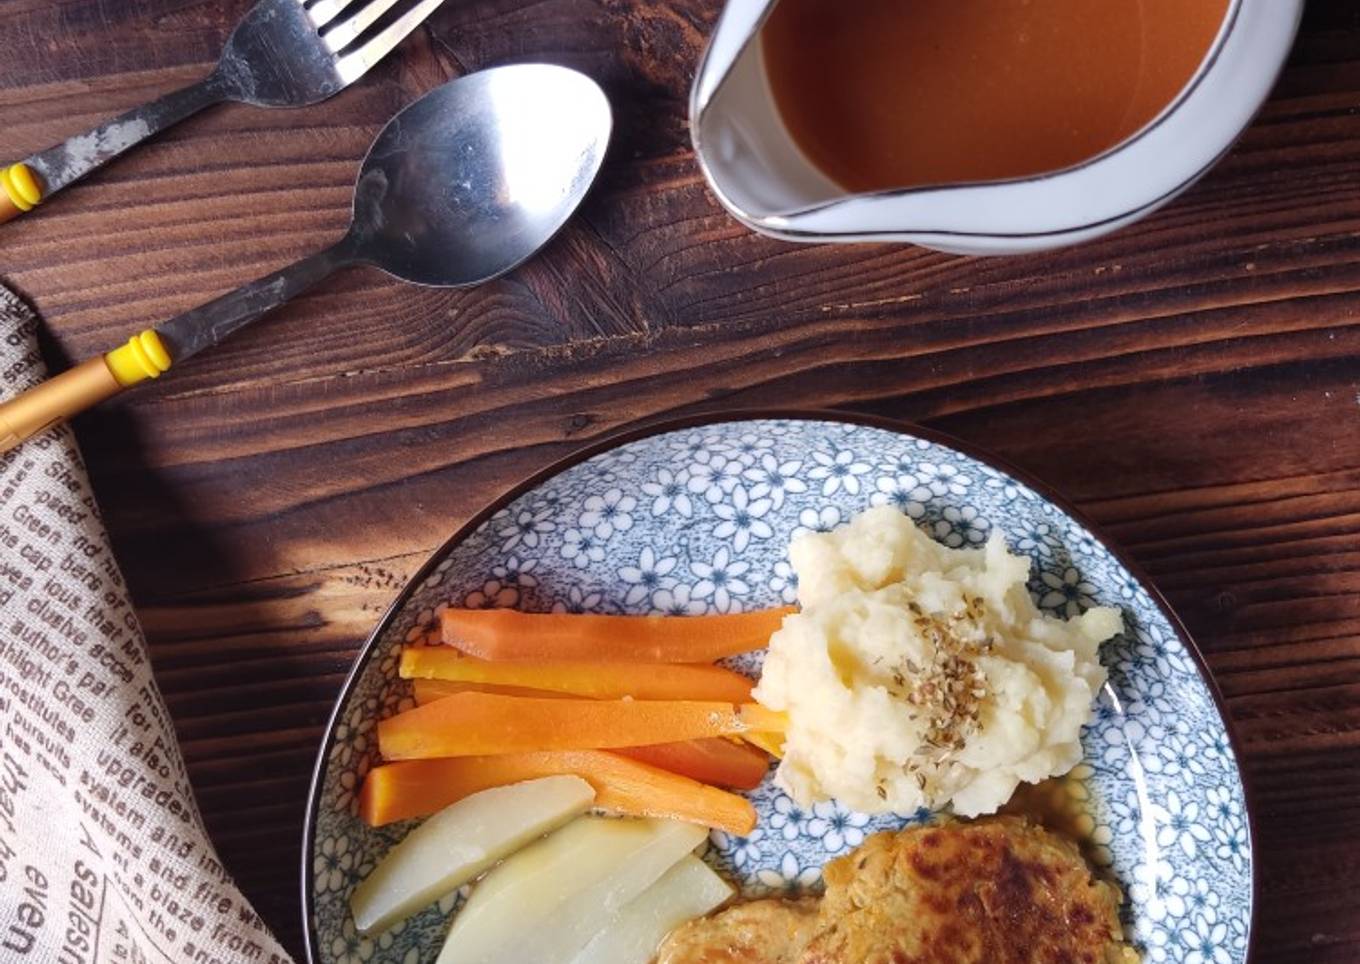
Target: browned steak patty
(994, 891)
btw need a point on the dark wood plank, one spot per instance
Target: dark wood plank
(1191, 382)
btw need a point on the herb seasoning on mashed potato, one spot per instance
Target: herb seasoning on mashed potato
(917, 675)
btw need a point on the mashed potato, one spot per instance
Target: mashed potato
(918, 675)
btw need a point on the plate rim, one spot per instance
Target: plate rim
(661, 425)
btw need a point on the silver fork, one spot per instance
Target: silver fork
(281, 54)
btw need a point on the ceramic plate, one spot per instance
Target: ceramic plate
(698, 518)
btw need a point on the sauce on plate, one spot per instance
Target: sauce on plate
(899, 93)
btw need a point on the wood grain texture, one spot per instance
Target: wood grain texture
(1192, 382)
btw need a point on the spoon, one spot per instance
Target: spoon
(459, 188)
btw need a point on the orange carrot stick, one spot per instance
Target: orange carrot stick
(429, 690)
(610, 681)
(716, 760)
(473, 724)
(720, 760)
(416, 788)
(504, 634)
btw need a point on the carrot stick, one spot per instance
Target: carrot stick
(720, 760)
(472, 724)
(717, 760)
(416, 788)
(641, 681)
(504, 634)
(429, 690)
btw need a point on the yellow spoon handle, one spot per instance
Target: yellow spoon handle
(20, 191)
(87, 384)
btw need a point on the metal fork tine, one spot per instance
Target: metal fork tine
(344, 34)
(353, 65)
(325, 11)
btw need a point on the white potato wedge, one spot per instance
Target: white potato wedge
(688, 890)
(459, 842)
(546, 902)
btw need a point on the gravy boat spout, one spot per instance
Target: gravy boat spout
(764, 180)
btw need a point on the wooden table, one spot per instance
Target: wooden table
(1192, 382)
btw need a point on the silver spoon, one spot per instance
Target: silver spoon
(459, 188)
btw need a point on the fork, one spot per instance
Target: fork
(282, 53)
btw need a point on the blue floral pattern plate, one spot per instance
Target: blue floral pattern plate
(698, 519)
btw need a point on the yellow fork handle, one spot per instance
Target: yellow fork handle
(89, 383)
(20, 191)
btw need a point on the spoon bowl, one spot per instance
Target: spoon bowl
(477, 175)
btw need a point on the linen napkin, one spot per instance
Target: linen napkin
(103, 855)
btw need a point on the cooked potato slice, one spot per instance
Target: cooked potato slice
(459, 842)
(688, 890)
(546, 901)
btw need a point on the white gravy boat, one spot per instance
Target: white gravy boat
(762, 178)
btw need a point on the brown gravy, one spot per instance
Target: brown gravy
(896, 93)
